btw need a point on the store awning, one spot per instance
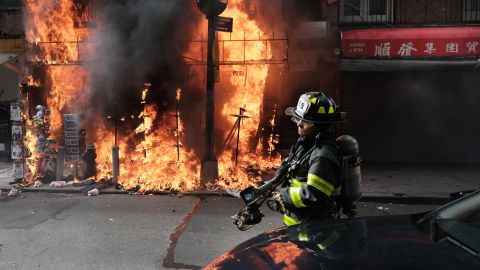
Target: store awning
(412, 43)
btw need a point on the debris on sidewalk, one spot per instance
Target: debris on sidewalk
(233, 192)
(215, 188)
(98, 186)
(60, 184)
(93, 192)
(15, 191)
(383, 209)
(87, 182)
(37, 184)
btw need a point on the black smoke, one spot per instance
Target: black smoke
(135, 42)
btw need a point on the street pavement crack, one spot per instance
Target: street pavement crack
(169, 260)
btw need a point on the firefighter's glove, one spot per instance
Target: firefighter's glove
(275, 203)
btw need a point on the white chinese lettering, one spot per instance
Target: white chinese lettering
(452, 48)
(472, 46)
(430, 48)
(383, 49)
(406, 49)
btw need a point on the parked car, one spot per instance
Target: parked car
(447, 238)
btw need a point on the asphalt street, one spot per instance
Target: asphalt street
(71, 231)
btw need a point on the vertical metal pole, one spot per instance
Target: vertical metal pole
(144, 137)
(60, 163)
(239, 121)
(115, 135)
(209, 170)
(115, 164)
(177, 116)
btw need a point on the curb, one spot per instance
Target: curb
(403, 198)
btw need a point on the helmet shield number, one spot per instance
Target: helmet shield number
(303, 105)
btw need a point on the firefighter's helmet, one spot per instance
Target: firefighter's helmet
(315, 107)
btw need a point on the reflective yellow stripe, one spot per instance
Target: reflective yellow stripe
(296, 198)
(329, 241)
(321, 110)
(336, 191)
(289, 221)
(313, 100)
(303, 237)
(295, 183)
(331, 110)
(320, 184)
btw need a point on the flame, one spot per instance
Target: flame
(245, 90)
(178, 94)
(30, 141)
(153, 156)
(152, 164)
(49, 27)
(32, 82)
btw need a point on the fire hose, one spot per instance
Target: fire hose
(254, 197)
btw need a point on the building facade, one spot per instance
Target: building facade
(409, 76)
(12, 55)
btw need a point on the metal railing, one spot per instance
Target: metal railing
(408, 12)
(274, 47)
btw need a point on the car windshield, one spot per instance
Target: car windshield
(461, 222)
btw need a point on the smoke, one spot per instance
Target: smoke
(134, 43)
(140, 41)
(137, 42)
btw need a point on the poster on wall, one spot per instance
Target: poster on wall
(17, 151)
(17, 133)
(15, 112)
(18, 170)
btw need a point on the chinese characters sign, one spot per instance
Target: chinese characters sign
(412, 42)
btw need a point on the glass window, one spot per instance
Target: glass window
(461, 221)
(351, 8)
(377, 7)
(472, 5)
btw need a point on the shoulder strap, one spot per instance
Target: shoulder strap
(328, 151)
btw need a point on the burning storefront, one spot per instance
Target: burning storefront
(130, 77)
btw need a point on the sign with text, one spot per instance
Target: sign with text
(224, 24)
(72, 144)
(412, 43)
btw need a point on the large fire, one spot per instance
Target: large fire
(248, 95)
(153, 156)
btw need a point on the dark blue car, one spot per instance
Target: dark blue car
(447, 238)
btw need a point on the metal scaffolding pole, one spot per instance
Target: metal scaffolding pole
(209, 170)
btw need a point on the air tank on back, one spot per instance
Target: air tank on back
(351, 173)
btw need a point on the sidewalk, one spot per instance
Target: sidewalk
(396, 183)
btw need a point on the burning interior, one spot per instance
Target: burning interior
(131, 74)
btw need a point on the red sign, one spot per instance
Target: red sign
(412, 42)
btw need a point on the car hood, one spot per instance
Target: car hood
(390, 242)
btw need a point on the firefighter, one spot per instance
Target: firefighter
(89, 157)
(312, 193)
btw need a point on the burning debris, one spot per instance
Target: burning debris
(82, 71)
